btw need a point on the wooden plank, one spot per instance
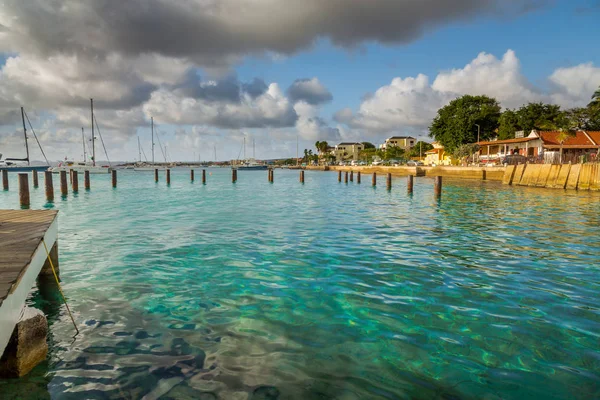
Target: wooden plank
(519, 173)
(527, 175)
(584, 177)
(543, 176)
(561, 180)
(509, 173)
(573, 178)
(536, 169)
(595, 179)
(554, 170)
(21, 232)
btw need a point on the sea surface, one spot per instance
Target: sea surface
(324, 290)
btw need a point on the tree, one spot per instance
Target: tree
(536, 115)
(368, 145)
(465, 151)
(420, 149)
(509, 124)
(454, 124)
(305, 159)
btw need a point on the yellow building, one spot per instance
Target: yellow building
(437, 156)
(404, 142)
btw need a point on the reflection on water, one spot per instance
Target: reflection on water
(323, 290)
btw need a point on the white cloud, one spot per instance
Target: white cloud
(270, 109)
(574, 85)
(410, 104)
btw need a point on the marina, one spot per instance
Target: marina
(392, 287)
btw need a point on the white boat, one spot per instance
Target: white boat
(80, 167)
(250, 164)
(23, 164)
(145, 166)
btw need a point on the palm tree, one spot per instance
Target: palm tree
(566, 125)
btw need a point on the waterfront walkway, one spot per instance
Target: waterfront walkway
(22, 256)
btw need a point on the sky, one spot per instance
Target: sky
(276, 72)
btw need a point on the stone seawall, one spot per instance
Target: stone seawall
(565, 176)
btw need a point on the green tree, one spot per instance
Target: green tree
(420, 149)
(454, 124)
(368, 145)
(537, 115)
(508, 124)
(567, 126)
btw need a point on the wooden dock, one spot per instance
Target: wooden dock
(22, 257)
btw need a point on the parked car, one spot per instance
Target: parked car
(377, 162)
(514, 159)
(413, 163)
(354, 163)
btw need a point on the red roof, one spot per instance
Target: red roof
(579, 139)
(595, 135)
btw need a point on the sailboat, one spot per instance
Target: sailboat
(250, 164)
(82, 166)
(144, 166)
(18, 164)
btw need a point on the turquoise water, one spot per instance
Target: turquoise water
(320, 291)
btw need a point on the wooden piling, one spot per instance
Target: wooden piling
(64, 189)
(114, 178)
(272, 175)
(168, 176)
(71, 176)
(339, 176)
(409, 184)
(301, 176)
(34, 174)
(86, 179)
(233, 175)
(192, 175)
(24, 190)
(346, 177)
(155, 174)
(351, 176)
(437, 186)
(49, 186)
(374, 179)
(389, 182)
(358, 177)
(4, 179)
(204, 177)
(75, 182)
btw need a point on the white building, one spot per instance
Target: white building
(347, 150)
(404, 142)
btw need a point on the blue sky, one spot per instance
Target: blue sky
(194, 84)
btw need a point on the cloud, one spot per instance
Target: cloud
(217, 33)
(270, 109)
(574, 86)
(310, 91)
(312, 127)
(411, 103)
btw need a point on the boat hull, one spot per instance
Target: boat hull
(253, 168)
(39, 168)
(82, 169)
(148, 169)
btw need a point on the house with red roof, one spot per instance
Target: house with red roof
(543, 146)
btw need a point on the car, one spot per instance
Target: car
(514, 159)
(377, 162)
(354, 163)
(413, 163)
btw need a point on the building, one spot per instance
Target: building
(404, 142)
(437, 156)
(347, 150)
(543, 146)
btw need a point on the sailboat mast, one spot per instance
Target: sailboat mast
(152, 124)
(253, 148)
(25, 133)
(244, 147)
(139, 149)
(93, 138)
(215, 152)
(83, 142)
